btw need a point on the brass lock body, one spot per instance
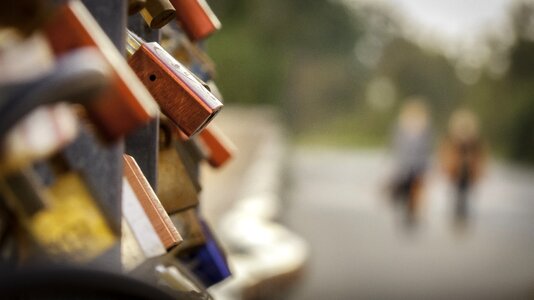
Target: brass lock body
(175, 188)
(157, 13)
(69, 225)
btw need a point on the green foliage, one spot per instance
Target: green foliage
(263, 41)
(506, 105)
(248, 70)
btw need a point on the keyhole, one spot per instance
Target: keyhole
(152, 77)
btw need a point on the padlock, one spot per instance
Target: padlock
(38, 135)
(181, 96)
(127, 104)
(139, 240)
(188, 224)
(208, 261)
(191, 155)
(157, 13)
(71, 227)
(196, 18)
(59, 212)
(135, 6)
(74, 225)
(217, 147)
(176, 190)
(149, 201)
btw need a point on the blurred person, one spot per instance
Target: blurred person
(411, 148)
(462, 155)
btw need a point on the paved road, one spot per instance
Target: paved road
(361, 251)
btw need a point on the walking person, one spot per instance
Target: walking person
(462, 155)
(411, 149)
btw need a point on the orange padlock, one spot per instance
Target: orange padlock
(196, 18)
(217, 146)
(182, 97)
(127, 104)
(153, 208)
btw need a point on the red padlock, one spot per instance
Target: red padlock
(196, 18)
(217, 146)
(182, 97)
(127, 104)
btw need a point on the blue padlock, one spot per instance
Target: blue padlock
(208, 262)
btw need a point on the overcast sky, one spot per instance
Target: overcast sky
(451, 19)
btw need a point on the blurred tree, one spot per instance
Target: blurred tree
(506, 104)
(298, 51)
